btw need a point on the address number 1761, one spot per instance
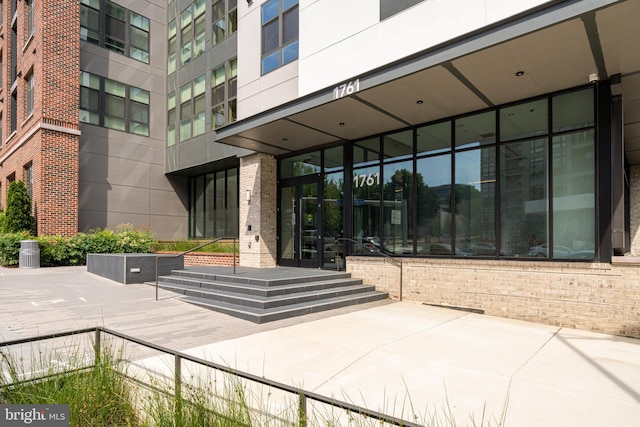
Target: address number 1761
(345, 89)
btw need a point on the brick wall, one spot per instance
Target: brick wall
(592, 296)
(258, 175)
(47, 137)
(207, 258)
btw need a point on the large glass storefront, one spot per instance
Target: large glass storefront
(516, 181)
(213, 205)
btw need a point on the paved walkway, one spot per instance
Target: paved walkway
(385, 355)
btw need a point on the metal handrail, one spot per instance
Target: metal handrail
(375, 250)
(195, 249)
(179, 357)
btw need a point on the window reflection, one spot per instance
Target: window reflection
(366, 207)
(574, 196)
(475, 202)
(476, 130)
(300, 165)
(433, 182)
(523, 198)
(397, 208)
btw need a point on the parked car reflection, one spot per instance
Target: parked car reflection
(543, 251)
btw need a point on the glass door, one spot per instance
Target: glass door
(299, 214)
(288, 221)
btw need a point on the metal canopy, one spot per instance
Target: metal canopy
(556, 47)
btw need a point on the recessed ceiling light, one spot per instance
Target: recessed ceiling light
(519, 73)
(341, 123)
(285, 139)
(419, 101)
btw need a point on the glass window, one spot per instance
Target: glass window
(172, 46)
(434, 138)
(475, 216)
(300, 165)
(116, 28)
(333, 220)
(29, 93)
(108, 103)
(574, 195)
(280, 28)
(214, 207)
(223, 93)
(397, 208)
(366, 152)
(398, 145)
(524, 206)
(29, 12)
(573, 110)
(333, 159)
(433, 182)
(526, 120)
(476, 130)
(139, 38)
(90, 20)
(366, 208)
(171, 119)
(89, 98)
(224, 19)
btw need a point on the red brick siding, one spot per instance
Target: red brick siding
(208, 258)
(46, 138)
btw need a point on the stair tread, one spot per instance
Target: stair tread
(270, 298)
(275, 281)
(286, 308)
(250, 286)
(258, 298)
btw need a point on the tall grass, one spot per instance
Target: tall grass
(111, 390)
(98, 395)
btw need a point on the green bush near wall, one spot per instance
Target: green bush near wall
(67, 251)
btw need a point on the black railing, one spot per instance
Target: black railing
(200, 247)
(179, 357)
(375, 250)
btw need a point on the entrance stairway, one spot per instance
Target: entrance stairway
(265, 295)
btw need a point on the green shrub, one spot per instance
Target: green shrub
(18, 214)
(54, 250)
(130, 240)
(10, 247)
(65, 251)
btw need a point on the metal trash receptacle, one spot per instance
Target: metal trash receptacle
(29, 254)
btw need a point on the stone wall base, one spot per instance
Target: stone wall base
(591, 296)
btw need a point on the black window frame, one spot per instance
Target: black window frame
(280, 48)
(130, 122)
(122, 43)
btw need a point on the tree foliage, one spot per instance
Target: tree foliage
(18, 214)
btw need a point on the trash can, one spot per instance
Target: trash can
(29, 254)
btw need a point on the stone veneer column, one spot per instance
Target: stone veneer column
(634, 207)
(258, 175)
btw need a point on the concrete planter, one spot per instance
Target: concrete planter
(132, 268)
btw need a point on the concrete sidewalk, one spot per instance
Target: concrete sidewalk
(380, 355)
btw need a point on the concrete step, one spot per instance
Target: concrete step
(186, 282)
(268, 315)
(267, 279)
(266, 302)
(262, 295)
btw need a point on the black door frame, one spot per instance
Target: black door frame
(299, 239)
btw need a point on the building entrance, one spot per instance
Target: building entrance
(300, 215)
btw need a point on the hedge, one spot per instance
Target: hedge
(66, 251)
